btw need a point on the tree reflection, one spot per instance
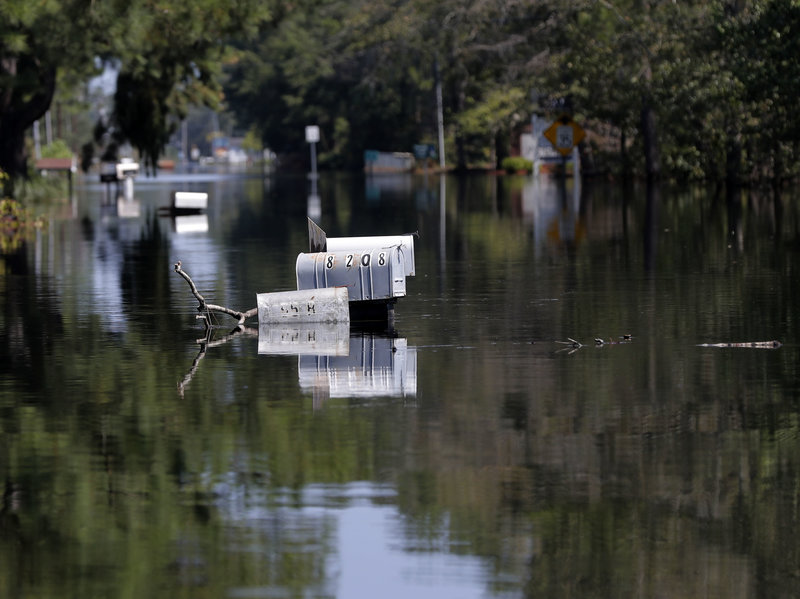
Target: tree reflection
(652, 204)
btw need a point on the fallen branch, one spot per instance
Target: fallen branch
(576, 345)
(205, 343)
(757, 344)
(573, 345)
(205, 308)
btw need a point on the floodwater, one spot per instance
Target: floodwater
(488, 446)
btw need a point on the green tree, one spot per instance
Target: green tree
(702, 90)
(330, 64)
(761, 44)
(364, 73)
(618, 66)
(37, 40)
(173, 59)
(169, 53)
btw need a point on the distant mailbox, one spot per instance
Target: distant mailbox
(127, 168)
(403, 243)
(374, 274)
(189, 201)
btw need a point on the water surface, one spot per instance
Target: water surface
(473, 451)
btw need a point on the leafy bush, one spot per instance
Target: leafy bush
(57, 149)
(16, 223)
(515, 164)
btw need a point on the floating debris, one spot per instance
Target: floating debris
(598, 341)
(623, 339)
(756, 344)
(572, 342)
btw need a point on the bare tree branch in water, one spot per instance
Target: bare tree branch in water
(205, 308)
(572, 346)
(205, 343)
(756, 344)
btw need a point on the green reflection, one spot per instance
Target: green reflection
(652, 467)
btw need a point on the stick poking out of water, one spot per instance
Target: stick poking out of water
(757, 344)
(205, 308)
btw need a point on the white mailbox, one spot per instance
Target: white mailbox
(374, 274)
(126, 168)
(189, 201)
(403, 243)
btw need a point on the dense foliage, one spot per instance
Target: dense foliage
(691, 89)
(169, 55)
(699, 90)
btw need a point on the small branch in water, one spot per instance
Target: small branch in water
(573, 345)
(205, 308)
(205, 343)
(756, 344)
(576, 345)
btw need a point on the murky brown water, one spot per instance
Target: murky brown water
(469, 454)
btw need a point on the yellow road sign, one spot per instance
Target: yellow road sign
(564, 134)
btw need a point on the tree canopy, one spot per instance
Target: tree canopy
(694, 89)
(37, 39)
(169, 53)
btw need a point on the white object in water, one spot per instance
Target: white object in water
(189, 200)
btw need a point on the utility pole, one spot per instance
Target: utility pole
(439, 112)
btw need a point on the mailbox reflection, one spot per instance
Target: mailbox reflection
(374, 366)
(190, 223)
(128, 208)
(313, 338)
(335, 362)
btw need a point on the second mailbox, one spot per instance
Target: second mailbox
(376, 274)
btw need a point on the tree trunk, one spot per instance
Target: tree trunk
(18, 111)
(13, 157)
(623, 150)
(461, 100)
(651, 224)
(733, 161)
(652, 158)
(777, 165)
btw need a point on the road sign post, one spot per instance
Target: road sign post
(314, 204)
(564, 134)
(312, 137)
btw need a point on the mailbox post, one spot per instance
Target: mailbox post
(312, 137)
(314, 204)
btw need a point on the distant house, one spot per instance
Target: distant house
(228, 149)
(388, 162)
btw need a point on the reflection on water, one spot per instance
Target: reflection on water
(462, 455)
(128, 207)
(332, 361)
(317, 338)
(551, 207)
(372, 367)
(190, 223)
